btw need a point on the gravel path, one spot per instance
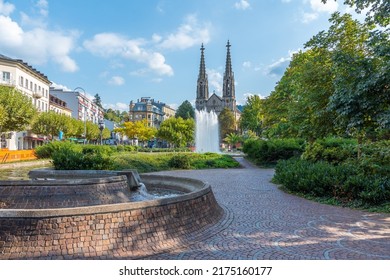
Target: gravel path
(262, 222)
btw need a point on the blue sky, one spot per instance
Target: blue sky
(124, 50)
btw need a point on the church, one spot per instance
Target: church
(215, 102)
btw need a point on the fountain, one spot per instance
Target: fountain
(207, 132)
(90, 214)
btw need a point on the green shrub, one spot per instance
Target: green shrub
(345, 182)
(46, 151)
(305, 177)
(332, 150)
(98, 149)
(70, 157)
(180, 161)
(270, 151)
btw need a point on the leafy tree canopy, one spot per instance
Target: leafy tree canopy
(185, 111)
(17, 110)
(177, 131)
(227, 122)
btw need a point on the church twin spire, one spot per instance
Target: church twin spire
(228, 91)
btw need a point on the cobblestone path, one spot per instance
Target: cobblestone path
(262, 222)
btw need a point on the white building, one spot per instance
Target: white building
(34, 84)
(82, 107)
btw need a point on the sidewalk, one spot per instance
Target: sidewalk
(262, 222)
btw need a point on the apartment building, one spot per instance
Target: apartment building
(59, 106)
(82, 107)
(18, 74)
(155, 112)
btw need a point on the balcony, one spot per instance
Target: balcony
(37, 95)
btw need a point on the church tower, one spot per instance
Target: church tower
(202, 90)
(228, 91)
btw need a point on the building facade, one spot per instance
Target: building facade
(17, 74)
(215, 102)
(59, 106)
(82, 108)
(155, 112)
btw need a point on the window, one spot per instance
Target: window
(21, 81)
(26, 84)
(6, 77)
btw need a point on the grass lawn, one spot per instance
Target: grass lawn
(151, 162)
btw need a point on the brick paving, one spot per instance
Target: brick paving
(262, 222)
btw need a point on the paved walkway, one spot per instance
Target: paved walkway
(262, 222)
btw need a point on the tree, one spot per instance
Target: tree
(185, 111)
(252, 116)
(93, 131)
(17, 110)
(227, 122)
(378, 10)
(360, 66)
(233, 139)
(97, 100)
(177, 131)
(50, 124)
(138, 129)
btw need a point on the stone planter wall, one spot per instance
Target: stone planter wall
(110, 231)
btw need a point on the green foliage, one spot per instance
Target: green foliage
(377, 10)
(227, 122)
(178, 131)
(17, 111)
(137, 129)
(344, 182)
(47, 150)
(185, 111)
(163, 150)
(332, 150)
(253, 115)
(77, 157)
(270, 151)
(150, 162)
(180, 161)
(232, 139)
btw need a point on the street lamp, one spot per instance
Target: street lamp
(101, 127)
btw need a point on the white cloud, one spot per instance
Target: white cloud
(174, 105)
(215, 80)
(156, 38)
(278, 68)
(36, 44)
(246, 95)
(6, 8)
(329, 7)
(157, 80)
(116, 81)
(316, 8)
(190, 33)
(43, 6)
(309, 17)
(242, 5)
(247, 64)
(112, 45)
(59, 86)
(117, 106)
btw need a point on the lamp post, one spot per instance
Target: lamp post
(101, 127)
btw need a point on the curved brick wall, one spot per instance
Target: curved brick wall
(120, 230)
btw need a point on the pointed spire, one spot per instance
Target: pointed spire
(228, 90)
(228, 67)
(202, 67)
(202, 91)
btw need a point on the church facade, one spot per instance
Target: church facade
(215, 102)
